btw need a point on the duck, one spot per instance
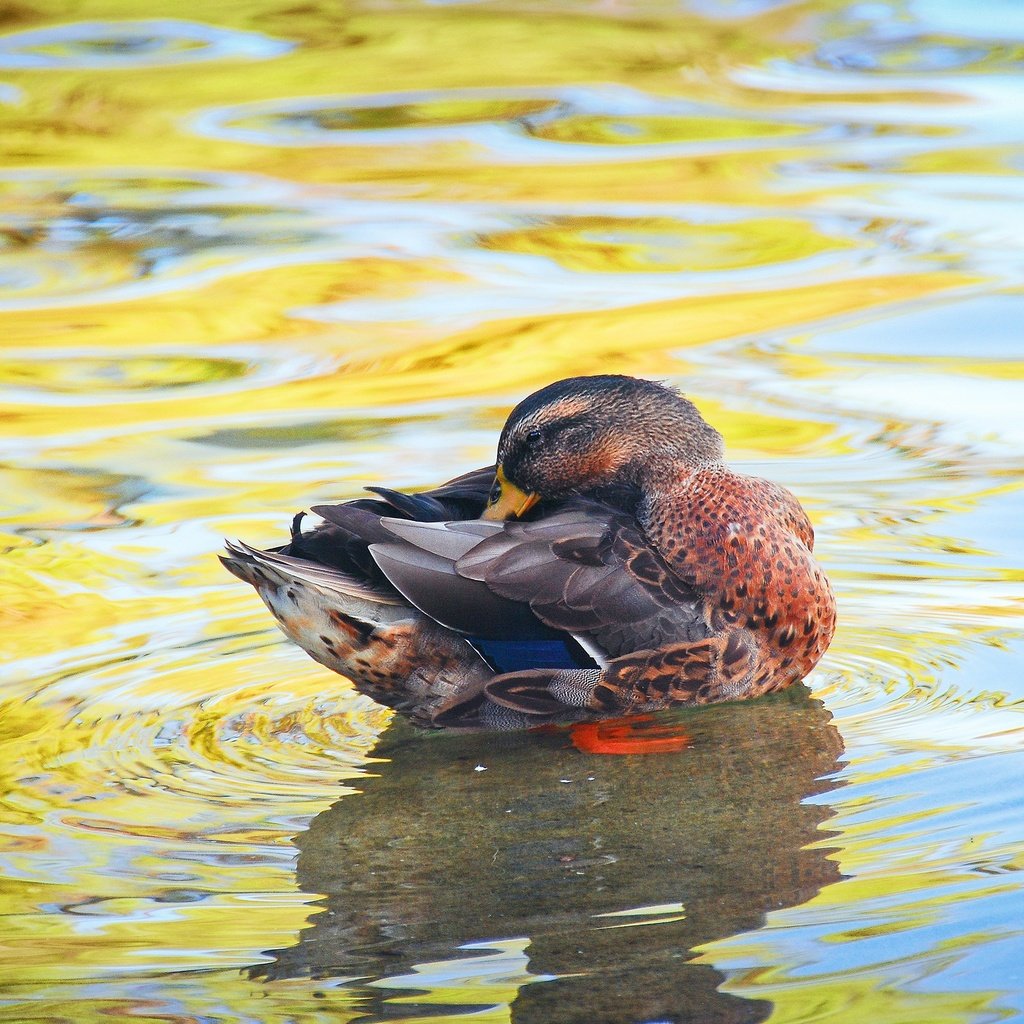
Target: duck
(609, 564)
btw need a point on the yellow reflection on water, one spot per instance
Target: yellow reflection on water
(607, 245)
(260, 256)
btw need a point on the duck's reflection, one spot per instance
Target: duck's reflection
(544, 844)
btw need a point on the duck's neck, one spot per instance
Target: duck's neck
(667, 475)
(668, 462)
(664, 488)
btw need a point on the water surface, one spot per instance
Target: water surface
(261, 256)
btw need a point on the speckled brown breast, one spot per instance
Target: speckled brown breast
(746, 545)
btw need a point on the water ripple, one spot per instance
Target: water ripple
(661, 245)
(65, 376)
(68, 237)
(141, 43)
(235, 771)
(913, 54)
(568, 124)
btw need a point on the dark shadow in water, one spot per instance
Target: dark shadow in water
(434, 854)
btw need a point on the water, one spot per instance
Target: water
(259, 257)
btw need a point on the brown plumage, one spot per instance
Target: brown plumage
(643, 573)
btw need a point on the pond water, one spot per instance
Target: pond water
(255, 256)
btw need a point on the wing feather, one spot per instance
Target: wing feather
(589, 570)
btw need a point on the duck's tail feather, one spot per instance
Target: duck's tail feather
(391, 652)
(272, 566)
(331, 597)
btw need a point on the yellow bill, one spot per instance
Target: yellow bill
(508, 501)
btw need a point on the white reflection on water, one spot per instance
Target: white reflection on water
(139, 43)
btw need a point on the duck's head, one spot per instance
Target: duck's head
(592, 434)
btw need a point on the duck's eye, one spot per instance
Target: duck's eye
(533, 437)
(495, 492)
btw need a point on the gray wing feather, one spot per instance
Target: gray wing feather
(429, 581)
(574, 570)
(570, 571)
(449, 540)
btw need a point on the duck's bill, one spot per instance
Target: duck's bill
(508, 501)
